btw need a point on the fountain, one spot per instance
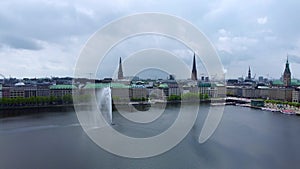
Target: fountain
(105, 103)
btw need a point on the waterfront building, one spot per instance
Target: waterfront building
(283, 94)
(5, 92)
(191, 89)
(295, 82)
(21, 91)
(156, 94)
(26, 91)
(287, 74)
(61, 90)
(26, 88)
(138, 93)
(120, 94)
(220, 90)
(296, 95)
(174, 91)
(15, 92)
(165, 88)
(30, 91)
(207, 88)
(277, 83)
(212, 89)
(43, 90)
(171, 87)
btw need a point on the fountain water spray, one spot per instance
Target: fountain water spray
(105, 103)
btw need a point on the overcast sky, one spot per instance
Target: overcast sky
(41, 38)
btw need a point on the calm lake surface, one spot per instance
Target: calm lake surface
(245, 138)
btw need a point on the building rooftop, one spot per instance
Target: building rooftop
(103, 85)
(277, 82)
(204, 85)
(295, 82)
(63, 87)
(163, 85)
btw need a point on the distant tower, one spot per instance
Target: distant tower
(194, 70)
(287, 74)
(120, 72)
(249, 73)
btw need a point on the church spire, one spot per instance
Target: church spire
(194, 69)
(249, 73)
(287, 74)
(120, 72)
(287, 65)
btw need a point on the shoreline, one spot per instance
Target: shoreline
(13, 111)
(135, 106)
(288, 110)
(115, 103)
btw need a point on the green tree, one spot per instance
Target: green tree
(173, 98)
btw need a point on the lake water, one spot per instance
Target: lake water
(245, 138)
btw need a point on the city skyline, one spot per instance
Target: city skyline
(35, 47)
(155, 74)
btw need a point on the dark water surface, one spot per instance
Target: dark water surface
(245, 138)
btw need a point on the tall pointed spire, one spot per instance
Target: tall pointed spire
(287, 65)
(194, 69)
(120, 72)
(249, 73)
(287, 74)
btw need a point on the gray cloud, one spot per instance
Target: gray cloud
(45, 21)
(63, 26)
(19, 42)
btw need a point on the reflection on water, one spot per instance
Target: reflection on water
(245, 138)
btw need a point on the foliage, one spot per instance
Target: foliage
(190, 96)
(295, 104)
(116, 98)
(203, 96)
(36, 101)
(174, 97)
(138, 99)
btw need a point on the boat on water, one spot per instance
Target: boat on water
(287, 111)
(222, 103)
(270, 109)
(243, 105)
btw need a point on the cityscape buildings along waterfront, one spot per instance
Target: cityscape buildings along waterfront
(135, 89)
(284, 89)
